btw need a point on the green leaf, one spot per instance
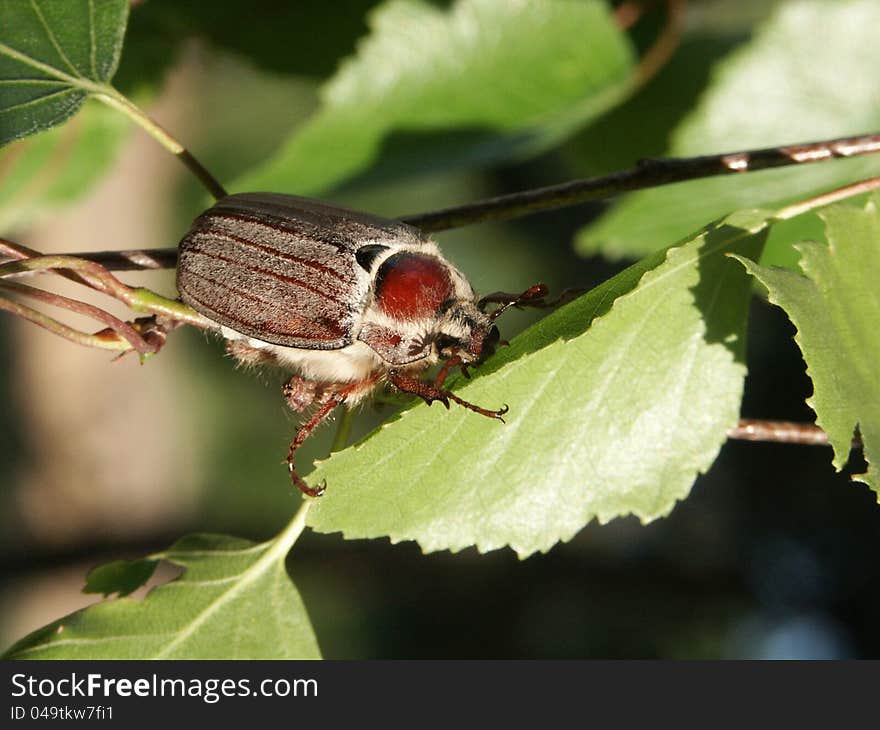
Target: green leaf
(617, 401)
(53, 53)
(484, 69)
(807, 75)
(835, 305)
(120, 576)
(233, 601)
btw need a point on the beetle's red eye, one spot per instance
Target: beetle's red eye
(412, 286)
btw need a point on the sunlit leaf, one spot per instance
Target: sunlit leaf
(474, 83)
(801, 78)
(835, 305)
(617, 402)
(233, 601)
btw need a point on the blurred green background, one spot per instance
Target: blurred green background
(770, 556)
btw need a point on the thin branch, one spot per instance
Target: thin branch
(98, 340)
(94, 275)
(343, 429)
(133, 260)
(832, 196)
(126, 332)
(18, 252)
(786, 432)
(647, 173)
(656, 57)
(112, 98)
(628, 13)
(98, 277)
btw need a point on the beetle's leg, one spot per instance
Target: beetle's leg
(301, 435)
(447, 367)
(429, 393)
(300, 393)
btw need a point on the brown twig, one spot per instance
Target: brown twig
(124, 330)
(134, 260)
(786, 432)
(112, 98)
(92, 274)
(95, 276)
(627, 14)
(827, 198)
(646, 174)
(656, 57)
(18, 252)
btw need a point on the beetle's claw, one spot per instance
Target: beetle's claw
(312, 492)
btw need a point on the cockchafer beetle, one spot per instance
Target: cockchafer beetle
(347, 300)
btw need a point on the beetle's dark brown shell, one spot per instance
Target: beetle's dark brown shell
(283, 269)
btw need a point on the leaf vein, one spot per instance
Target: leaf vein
(93, 45)
(38, 100)
(53, 40)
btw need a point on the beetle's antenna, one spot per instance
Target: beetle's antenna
(530, 297)
(535, 296)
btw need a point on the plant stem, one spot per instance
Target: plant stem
(92, 274)
(146, 300)
(833, 196)
(112, 98)
(656, 57)
(786, 432)
(62, 330)
(282, 544)
(96, 276)
(343, 429)
(646, 174)
(18, 252)
(124, 330)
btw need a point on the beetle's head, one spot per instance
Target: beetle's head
(465, 331)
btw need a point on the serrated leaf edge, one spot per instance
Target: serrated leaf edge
(484, 547)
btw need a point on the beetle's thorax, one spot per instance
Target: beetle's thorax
(419, 306)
